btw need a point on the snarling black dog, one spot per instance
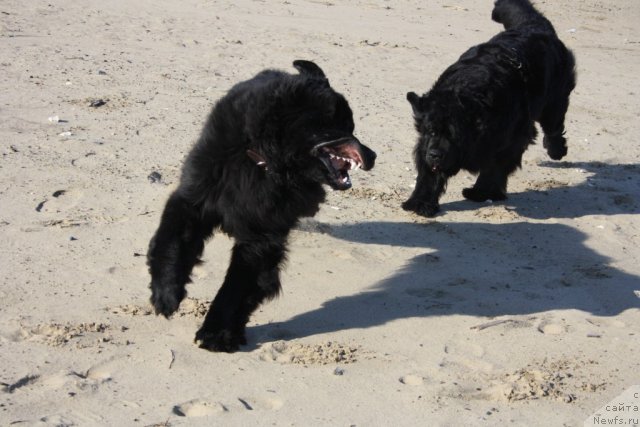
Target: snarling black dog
(480, 114)
(265, 151)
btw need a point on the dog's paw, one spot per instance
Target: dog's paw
(477, 195)
(556, 147)
(421, 208)
(221, 340)
(166, 301)
(409, 205)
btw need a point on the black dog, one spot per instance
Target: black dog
(479, 115)
(258, 166)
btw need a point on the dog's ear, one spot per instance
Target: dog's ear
(414, 100)
(309, 68)
(497, 12)
(258, 159)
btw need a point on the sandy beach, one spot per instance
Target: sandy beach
(524, 312)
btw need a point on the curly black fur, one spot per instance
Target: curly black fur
(479, 115)
(265, 151)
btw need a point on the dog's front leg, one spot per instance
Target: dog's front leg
(552, 123)
(252, 277)
(174, 250)
(491, 184)
(429, 187)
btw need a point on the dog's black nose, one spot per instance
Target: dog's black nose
(435, 154)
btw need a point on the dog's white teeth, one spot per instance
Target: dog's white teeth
(353, 164)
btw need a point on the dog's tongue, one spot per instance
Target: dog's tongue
(344, 180)
(341, 167)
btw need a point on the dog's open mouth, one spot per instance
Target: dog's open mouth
(339, 157)
(434, 162)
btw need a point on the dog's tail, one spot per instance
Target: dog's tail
(515, 13)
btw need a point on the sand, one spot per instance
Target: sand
(517, 313)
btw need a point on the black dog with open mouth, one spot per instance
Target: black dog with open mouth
(480, 113)
(259, 165)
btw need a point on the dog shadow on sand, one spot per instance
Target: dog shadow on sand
(605, 189)
(484, 269)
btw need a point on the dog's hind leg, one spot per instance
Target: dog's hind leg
(552, 123)
(253, 276)
(174, 250)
